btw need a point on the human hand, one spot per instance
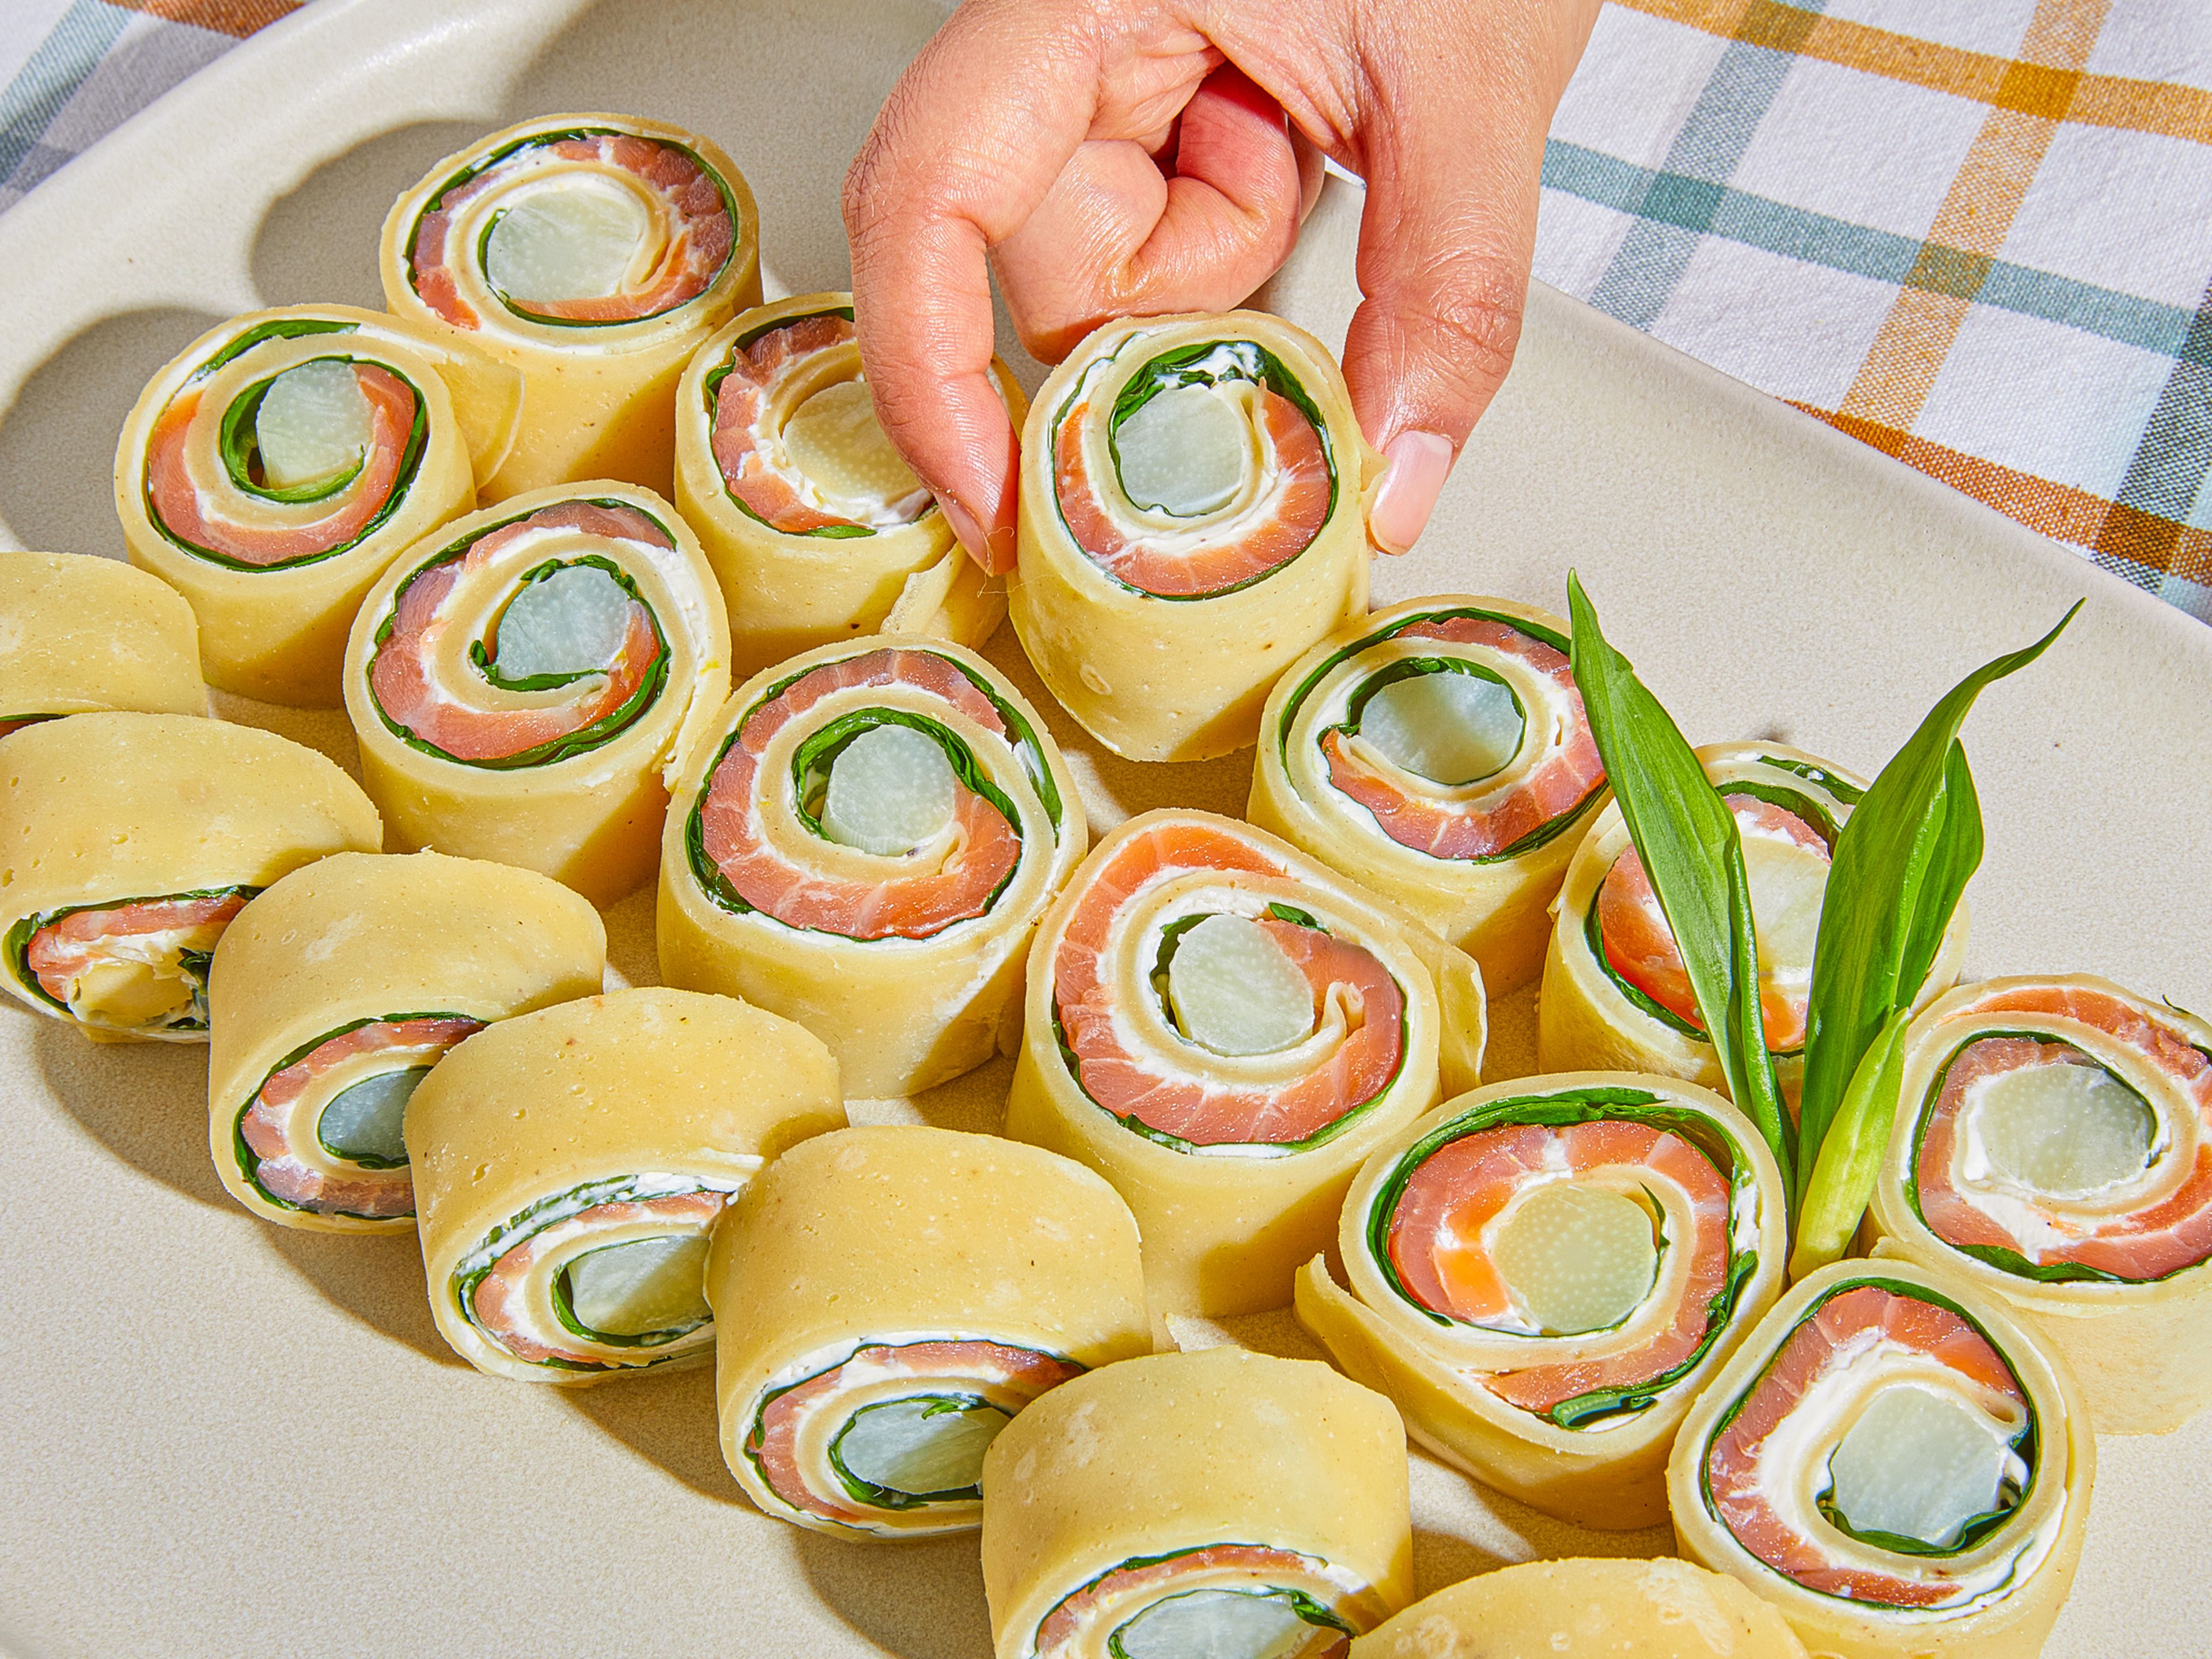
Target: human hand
(1140, 156)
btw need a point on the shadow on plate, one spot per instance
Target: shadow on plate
(376, 1277)
(145, 1101)
(922, 1599)
(57, 443)
(318, 242)
(668, 1419)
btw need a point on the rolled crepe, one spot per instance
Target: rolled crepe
(1437, 753)
(1225, 1030)
(2053, 1148)
(1546, 1273)
(79, 634)
(1615, 994)
(1221, 1502)
(864, 843)
(335, 993)
(130, 841)
(524, 682)
(568, 1164)
(1662, 1609)
(1193, 518)
(891, 1297)
(815, 526)
(1895, 1464)
(592, 254)
(278, 464)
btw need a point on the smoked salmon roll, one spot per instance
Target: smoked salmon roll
(864, 841)
(592, 255)
(1438, 753)
(335, 992)
(816, 527)
(274, 467)
(1616, 995)
(2053, 1148)
(1895, 1464)
(1662, 1609)
(1546, 1273)
(1193, 518)
(1219, 1503)
(524, 682)
(569, 1165)
(889, 1300)
(128, 843)
(79, 634)
(1226, 1030)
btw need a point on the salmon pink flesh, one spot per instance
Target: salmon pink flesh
(1221, 1601)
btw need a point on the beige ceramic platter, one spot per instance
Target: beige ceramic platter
(217, 1438)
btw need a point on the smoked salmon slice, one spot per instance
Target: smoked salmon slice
(2166, 1230)
(1196, 1105)
(1482, 826)
(287, 1160)
(958, 885)
(1083, 1625)
(166, 938)
(689, 237)
(1639, 946)
(212, 515)
(1440, 1241)
(1866, 1326)
(480, 722)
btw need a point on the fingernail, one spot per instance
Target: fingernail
(1419, 464)
(966, 529)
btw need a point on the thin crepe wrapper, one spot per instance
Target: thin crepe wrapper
(356, 936)
(901, 1015)
(1184, 679)
(79, 634)
(598, 402)
(593, 821)
(1224, 1234)
(1610, 1478)
(2141, 1353)
(1585, 1022)
(1499, 912)
(790, 593)
(1181, 1451)
(643, 1081)
(900, 1229)
(279, 634)
(1623, 1609)
(2015, 1626)
(103, 808)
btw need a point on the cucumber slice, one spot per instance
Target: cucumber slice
(890, 790)
(362, 1124)
(572, 622)
(313, 424)
(1234, 991)
(1451, 728)
(834, 440)
(1918, 1464)
(1215, 1624)
(646, 1286)
(1184, 451)
(573, 241)
(1788, 882)
(2065, 1131)
(927, 1446)
(1578, 1258)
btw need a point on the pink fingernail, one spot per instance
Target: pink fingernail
(966, 529)
(1419, 464)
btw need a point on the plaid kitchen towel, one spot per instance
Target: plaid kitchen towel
(1974, 234)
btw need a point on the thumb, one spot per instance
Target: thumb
(1445, 243)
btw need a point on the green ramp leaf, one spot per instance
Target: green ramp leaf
(1687, 837)
(1900, 865)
